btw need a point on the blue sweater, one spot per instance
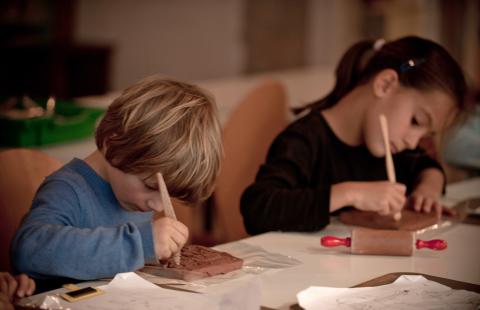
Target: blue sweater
(77, 229)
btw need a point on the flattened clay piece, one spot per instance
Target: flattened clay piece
(410, 220)
(197, 262)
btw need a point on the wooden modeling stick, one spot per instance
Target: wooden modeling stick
(388, 157)
(383, 242)
(167, 206)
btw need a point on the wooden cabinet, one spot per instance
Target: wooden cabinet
(39, 55)
(62, 70)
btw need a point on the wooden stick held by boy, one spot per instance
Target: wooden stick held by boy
(388, 157)
(167, 207)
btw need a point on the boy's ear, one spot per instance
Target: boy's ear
(106, 142)
(385, 82)
(103, 150)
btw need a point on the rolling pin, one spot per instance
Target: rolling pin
(383, 242)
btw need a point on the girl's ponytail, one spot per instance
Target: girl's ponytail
(420, 64)
(348, 74)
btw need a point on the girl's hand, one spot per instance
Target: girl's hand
(169, 236)
(426, 195)
(426, 199)
(382, 197)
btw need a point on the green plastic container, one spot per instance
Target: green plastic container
(70, 122)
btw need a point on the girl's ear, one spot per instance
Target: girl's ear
(385, 82)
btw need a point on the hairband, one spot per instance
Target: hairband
(404, 67)
(410, 64)
(377, 45)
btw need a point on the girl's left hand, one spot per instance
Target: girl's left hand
(425, 203)
(424, 199)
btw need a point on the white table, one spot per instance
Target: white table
(337, 268)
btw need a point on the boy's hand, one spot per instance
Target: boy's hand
(169, 236)
(18, 286)
(382, 197)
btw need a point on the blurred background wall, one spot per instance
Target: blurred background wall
(85, 47)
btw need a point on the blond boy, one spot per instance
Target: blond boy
(93, 218)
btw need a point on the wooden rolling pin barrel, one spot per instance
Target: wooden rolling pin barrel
(383, 242)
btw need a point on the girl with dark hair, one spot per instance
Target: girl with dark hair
(333, 157)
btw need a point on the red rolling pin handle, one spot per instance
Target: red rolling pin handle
(331, 241)
(436, 244)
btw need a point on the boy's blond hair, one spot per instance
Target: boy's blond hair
(167, 126)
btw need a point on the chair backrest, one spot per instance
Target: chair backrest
(21, 173)
(247, 135)
(193, 218)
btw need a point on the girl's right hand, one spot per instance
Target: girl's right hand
(382, 197)
(169, 236)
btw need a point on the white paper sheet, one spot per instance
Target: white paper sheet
(407, 292)
(130, 291)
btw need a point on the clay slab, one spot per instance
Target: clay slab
(197, 262)
(410, 220)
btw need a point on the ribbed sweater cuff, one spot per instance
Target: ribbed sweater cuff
(147, 242)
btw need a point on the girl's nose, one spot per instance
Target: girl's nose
(410, 144)
(411, 141)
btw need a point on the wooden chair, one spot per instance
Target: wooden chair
(22, 171)
(247, 135)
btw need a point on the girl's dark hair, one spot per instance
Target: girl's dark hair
(420, 64)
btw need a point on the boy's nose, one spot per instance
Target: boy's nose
(153, 205)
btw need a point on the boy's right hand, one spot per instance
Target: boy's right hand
(169, 236)
(382, 197)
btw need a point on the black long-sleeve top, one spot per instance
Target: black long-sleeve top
(291, 191)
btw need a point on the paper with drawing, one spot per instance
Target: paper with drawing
(407, 292)
(129, 291)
